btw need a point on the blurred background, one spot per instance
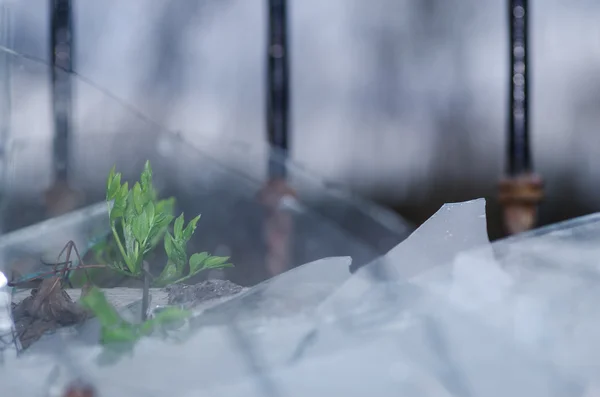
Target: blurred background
(404, 102)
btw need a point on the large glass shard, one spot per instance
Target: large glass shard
(23, 253)
(294, 293)
(221, 180)
(418, 338)
(452, 229)
(24, 250)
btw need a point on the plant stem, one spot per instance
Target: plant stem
(146, 291)
(118, 240)
(138, 258)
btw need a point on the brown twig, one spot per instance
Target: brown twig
(54, 272)
(50, 301)
(66, 270)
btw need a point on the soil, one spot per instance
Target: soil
(191, 295)
(50, 307)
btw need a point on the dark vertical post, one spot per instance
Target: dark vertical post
(518, 148)
(60, 198)
(521, 190)
(61, 56)
(10, 346)
(278, 87)
(5, 108)
(278, 225)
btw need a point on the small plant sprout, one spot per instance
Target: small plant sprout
(138, 222)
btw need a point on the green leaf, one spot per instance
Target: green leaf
(168, 275)
(146, 178)
(111, 176)
(161, 223)
(123, 333)
(102, 309)
(113, 327)
(116, 213)
(177, 257)
(178, 227)
(123, 191)
(138, 198)
(140, 228)
(177, 254)
(120, 203)
(162, 219)
(165, 206)
(130, 211)
(196, 261)
(164, 317)
(190, 228)
(132, 258)
(149, 211)
(215, 262)
(203, 261)
(118, 266)
(169, 244)
(113, 184)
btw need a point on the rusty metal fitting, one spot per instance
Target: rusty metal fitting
(61, 198)
(273, 191)
(80, 389)
(520, 196)
(278, 226)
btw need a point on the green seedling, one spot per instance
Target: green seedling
(138, 222)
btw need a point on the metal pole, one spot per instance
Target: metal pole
(10, 346)
(60, 197)
(61, 48)
(278, 223)
(521, 190)
(5, 107)
(519, 153)
(278, 87)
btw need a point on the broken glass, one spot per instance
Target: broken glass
(223, 181)
(477, 319)
(442, 313)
